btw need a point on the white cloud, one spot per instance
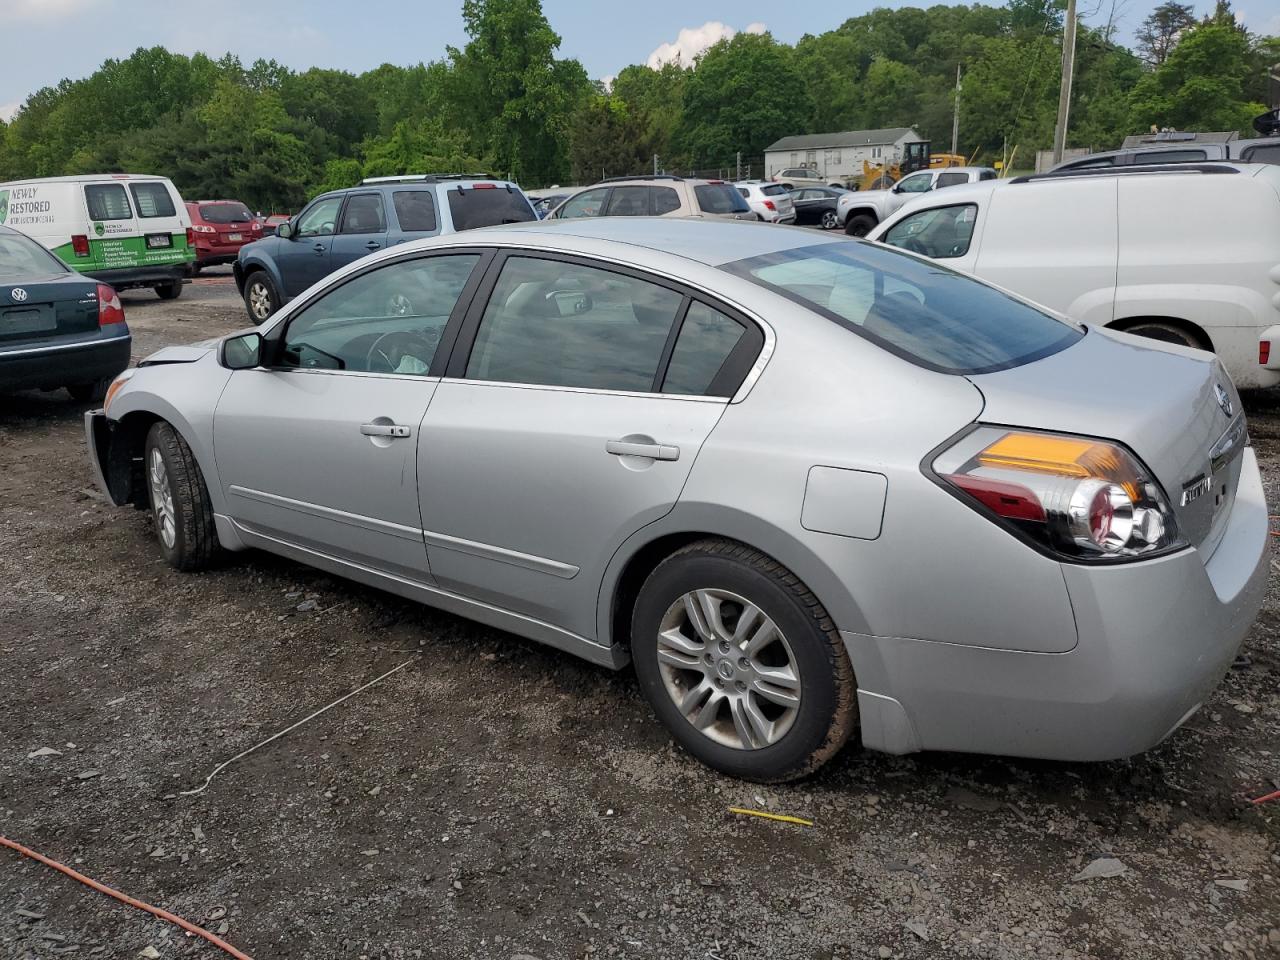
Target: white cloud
(45, 9)
(607, 81)
(691, 41)
(7, 110)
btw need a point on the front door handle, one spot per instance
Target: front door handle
(372, 245)
(653, 451)
(384, 430)
(319, 248)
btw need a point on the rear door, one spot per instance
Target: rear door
(115, 241)
(162, 220)
(572, 410)
(414, 215)
(304, 257)
(362, 229)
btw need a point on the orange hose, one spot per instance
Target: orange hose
(124, 898)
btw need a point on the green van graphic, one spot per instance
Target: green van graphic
(4, 205)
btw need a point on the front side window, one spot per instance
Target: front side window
(364, 214)
(107, 201)
(415, 210)
(563, 324)
(487, 205)
(921, 311)
(719, 198)
(388, 320)
(665, 200)
(706, 339)
(589, 203)
(152, 200)
(319, 220)
(916, 184)
(628, 202)
(940, 233)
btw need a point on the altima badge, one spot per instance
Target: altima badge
(1196, 489)
(18, 294)
(1224, 399)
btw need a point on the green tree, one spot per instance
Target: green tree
(1159, 33)
(608, 139)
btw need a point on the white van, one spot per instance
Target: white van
(1184, 253)
(125, 229)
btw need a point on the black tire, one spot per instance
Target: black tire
(261, 298)
(92, 392)
(195, 539)
(195, 269)
(830, 220)
(827, 710)
(170, 290)
(860, 225)
(1167, 333)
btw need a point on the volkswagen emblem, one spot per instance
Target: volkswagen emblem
(1219, 391)
(18, 294)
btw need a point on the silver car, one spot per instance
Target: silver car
(807, 485)
(771, 202)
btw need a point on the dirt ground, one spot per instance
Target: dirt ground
(496, 799)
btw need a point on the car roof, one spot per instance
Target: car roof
(709, 242)
(90, 178)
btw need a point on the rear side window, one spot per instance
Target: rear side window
(774, 190)
(707, 337)
(363, 214)
(225, 213)
(745, 192)
(487, 206)
(665, 200)
(107, 201)
(951, 179)
(719, 198)
(152, 200)
(415, 210)
(1170, 156)
(628, 202)
(923, 312)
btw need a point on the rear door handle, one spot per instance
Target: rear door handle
(654, 451)
(384, 430)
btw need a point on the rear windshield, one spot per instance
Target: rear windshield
(152, 200)
(773, 190)
(21, 258)
(225, 213)
(488, 206)
(720, 198)
(107, 201)
(921, 311)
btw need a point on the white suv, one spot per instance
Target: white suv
(1184, 253)
(771, 202)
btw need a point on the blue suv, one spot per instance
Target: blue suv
(344, 225)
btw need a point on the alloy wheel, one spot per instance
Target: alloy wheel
(728, 668)
(259, 300)
(829, 220)
(162, 499)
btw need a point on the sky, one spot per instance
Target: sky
(47, 40)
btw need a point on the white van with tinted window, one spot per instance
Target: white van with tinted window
(125, 229)
(1183, 253)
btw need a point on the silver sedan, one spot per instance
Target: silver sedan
(807, 485)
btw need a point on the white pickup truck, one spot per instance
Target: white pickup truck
(861, 210)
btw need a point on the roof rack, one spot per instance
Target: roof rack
(643, 176)
(427, 178)
(1163, 168)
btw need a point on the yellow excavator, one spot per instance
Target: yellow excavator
(916, 156)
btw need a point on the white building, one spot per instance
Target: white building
(838, 156)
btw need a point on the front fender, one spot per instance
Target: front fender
(257, 260)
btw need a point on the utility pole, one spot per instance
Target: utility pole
(739, 176)
(1064, 94)
(655, 164)
(955, 117)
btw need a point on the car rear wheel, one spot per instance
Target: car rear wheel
(1166, 333)
(171, 290)
(742, 663)
(91, 392)
(179, 501)
(260, 297)
(860, 225)
(829, 220)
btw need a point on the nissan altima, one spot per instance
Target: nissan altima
(807, 486)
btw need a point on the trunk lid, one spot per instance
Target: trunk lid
(49, 306)
(1177, 409)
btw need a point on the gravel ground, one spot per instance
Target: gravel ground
(497, 799)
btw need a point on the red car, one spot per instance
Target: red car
(221, 228)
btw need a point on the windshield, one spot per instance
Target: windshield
(720, 198)
(225, 213)
(21, 257)
(487, 206)
(921, 311)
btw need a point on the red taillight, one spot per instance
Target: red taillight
(1264, 352)
(80, 245)
(1010, 500)
(191, 237)
(109, 308)
(769, 205)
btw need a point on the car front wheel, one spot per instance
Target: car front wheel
(829, 220)
(260, 297)
(860, 225)
(179, 500)
(742, 663)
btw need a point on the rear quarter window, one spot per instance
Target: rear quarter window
(487, 206)
(415, 210)
(774, 190)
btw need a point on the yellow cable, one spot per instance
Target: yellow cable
(771, 816)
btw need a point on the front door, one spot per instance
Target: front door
(571, 421)
(320, 449)
(303, 258)
(362, 230)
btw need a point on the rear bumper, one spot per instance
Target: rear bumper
(1155, 639)
(58, 364)
(129, 277)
